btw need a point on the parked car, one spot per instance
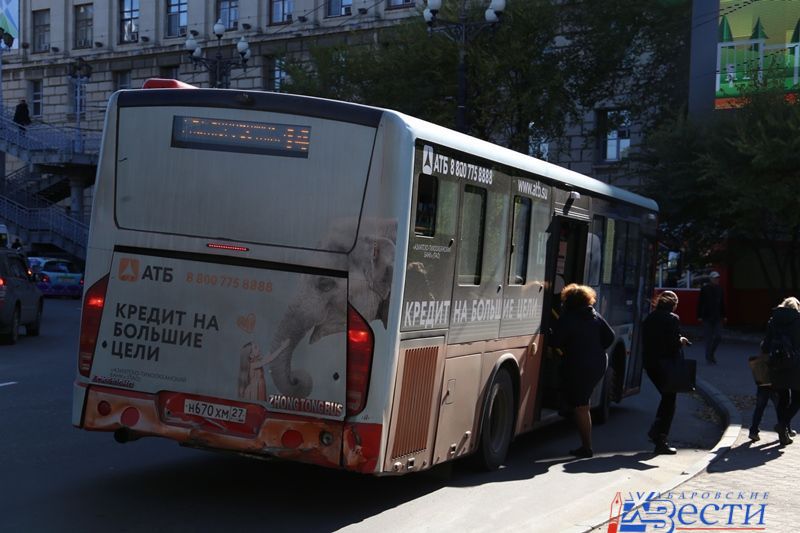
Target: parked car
(57, 277)
(21, 302)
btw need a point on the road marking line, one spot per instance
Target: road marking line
(8, 383)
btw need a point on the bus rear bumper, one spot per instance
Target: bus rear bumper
(132, 415)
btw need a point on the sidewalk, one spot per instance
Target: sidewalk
(741, 467)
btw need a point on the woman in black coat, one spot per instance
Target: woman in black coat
(783, 335)
(583, 336)
(662, 340)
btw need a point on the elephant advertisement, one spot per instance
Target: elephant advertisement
(273, 336)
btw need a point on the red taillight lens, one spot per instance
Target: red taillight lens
(45, 278)
(360, 344)
(2, 282)
(93, 304)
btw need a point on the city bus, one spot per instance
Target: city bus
(305, 279)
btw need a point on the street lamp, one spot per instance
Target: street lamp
(218, 67)
(79, 71)
(462, 32)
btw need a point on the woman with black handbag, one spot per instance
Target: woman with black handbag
(663, 346)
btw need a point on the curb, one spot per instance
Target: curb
(731, 419)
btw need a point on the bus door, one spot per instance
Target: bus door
(633, 380)
(566, 260)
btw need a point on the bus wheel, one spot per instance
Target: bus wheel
(602, 412)
(497, 423)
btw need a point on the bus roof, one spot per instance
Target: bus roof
(371, 116)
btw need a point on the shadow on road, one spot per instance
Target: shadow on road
(747, 456)
(610, 463)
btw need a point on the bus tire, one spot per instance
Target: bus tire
(602, 412)
(497, 422)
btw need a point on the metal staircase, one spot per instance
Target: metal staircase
(28, 195)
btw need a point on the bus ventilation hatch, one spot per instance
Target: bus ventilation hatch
(416, 397)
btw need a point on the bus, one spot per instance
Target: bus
(305, 279)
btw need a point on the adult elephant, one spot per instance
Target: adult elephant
(320, 304)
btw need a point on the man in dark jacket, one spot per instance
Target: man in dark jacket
(711, 312)
(22, 115)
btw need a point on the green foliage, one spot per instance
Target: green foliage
(528, 76)
(733, 175)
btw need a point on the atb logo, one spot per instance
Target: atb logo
(128, 269)
(667, 512)
(427, 160)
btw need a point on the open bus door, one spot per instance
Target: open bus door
(633, 379)
(566, 257)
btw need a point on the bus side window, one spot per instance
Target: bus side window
(427, 195)
(473, 222)
(620, 240)
(520, 236)
(608, 251)
(632, 255)
(594, 251)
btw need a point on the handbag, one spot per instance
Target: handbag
(759, 366)
(678, 375)
(784, 373)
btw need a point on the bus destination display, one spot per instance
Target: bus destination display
(241, 136)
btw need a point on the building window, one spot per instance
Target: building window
(41, 30)
(84, 22)
(338, 8)
(129, 21)
(401, 3)
(122, 80)
(169, 73)
(228, 13)
(176, 18)
(276, 74)
(615, 134)
(37, 95)
(280, 11)
(77, 100)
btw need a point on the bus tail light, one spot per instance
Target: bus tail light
(93, 303)
(360, 344)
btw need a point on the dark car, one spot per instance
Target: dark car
(20, 300)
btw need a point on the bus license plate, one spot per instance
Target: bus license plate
(227, 413)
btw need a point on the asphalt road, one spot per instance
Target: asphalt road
(55, 478)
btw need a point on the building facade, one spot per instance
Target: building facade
(67, 57)
(125, 42)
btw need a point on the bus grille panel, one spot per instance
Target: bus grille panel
(414, 414)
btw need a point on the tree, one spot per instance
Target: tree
(733, 178)
(528, 76)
